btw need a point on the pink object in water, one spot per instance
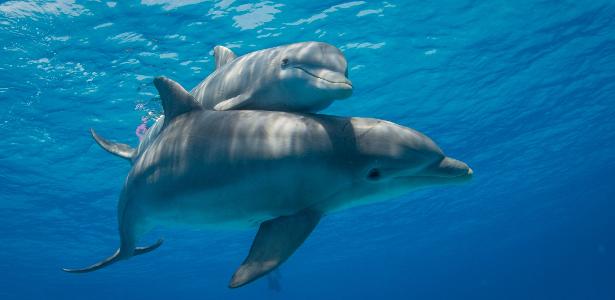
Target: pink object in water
(141, 129)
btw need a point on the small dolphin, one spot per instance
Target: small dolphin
(280, 171)
(300, 77)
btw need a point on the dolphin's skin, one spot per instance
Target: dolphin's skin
(276, 170)
(300, 77)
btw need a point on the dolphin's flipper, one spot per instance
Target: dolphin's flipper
(275, 241)
(223, 55)
(114, 258)
(175, 99)
(234, 103)
(119, 149)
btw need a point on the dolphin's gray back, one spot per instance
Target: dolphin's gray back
(240, 135)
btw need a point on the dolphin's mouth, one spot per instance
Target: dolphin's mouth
(469, 173)
(435, 179)
(328, 76)
(446, 170)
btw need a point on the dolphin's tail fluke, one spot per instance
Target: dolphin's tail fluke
(99, 265)
(114, 258)
(118, 149)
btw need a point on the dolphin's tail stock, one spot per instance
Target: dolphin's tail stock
(118, 149)
(114, 258)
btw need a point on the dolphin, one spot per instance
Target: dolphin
(279, 171)
(300, 77)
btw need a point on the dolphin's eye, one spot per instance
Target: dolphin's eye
(373, 174)
(285, 62)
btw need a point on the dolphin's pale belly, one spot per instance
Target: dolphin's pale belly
(245, 200)
(221, 208)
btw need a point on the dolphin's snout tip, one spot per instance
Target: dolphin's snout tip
(347, 86)
(453, 168)
(237, 281)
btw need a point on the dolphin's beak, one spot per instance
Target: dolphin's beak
(450, 167)
(332, 79)
(446, 171)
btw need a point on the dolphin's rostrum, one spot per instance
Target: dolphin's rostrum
(280, 171)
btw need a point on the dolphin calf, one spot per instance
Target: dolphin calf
(276, 170)
(300, 77)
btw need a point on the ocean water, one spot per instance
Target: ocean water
(523, 91)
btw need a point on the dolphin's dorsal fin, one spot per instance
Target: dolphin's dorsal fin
(175, 99)
(223, 56)
(115, 148)
(276, 241)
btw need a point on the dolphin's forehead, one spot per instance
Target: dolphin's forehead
(314, 53)
(386, 139)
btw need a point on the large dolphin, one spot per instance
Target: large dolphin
(280, 171)
(300, 77)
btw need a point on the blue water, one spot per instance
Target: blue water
(524, 91)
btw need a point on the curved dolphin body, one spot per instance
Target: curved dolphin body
(280, 171)
(300, 77)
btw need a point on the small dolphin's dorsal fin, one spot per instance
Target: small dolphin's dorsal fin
(175, 99)
(276, 241)
(119, 149)
(223, 56)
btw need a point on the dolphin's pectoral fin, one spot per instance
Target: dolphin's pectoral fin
(175, 99)
(114, 258)
(236, 102)
(223, 55)
(275, 242)
(118, 149)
